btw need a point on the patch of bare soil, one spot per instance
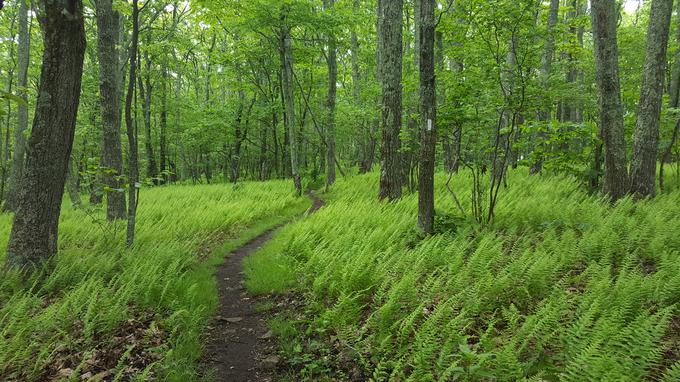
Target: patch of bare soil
(239, 347)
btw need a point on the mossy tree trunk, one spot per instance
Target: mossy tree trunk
(391, 51)
(428, 116)
(33, 238)
(108, 32)
(22, 109)
(604, 15)
(646, 136)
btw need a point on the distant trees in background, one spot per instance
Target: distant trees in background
(227, 90)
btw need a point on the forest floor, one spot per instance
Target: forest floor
(239, 346)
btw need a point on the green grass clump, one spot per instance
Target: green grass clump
(563, 286)
(98, 287)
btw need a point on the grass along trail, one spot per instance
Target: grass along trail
(239, 347)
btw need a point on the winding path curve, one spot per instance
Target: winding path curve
(238, 341)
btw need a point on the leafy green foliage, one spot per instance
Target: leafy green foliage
(563, 286)
(97, 284)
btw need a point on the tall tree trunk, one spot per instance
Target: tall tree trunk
(441, 91)
(674, 91)
(368, 149)
(604, 19)
(263, 168)
(35, 229)
(674, 102)
(133, 169)
(288, 98)
(163, 149)
(108, 29)
(646, 136)
(391, 23)
(4, 151)
(544, 115)
(330, 101)
(22, 109)
(145, 93)
(236, 150)
(72, 183)
(275, 141)
(428, 117)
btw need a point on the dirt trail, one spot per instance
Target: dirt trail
(239, 347)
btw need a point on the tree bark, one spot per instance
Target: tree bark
(447, 149)
(544, 115)
(288, 98)
(330, 101)
(163, 151)
(646, 136)
(22, 109)
(674, 90)
(4, 150)
(391, 51)
(145, 89)
(34, 234)
(72, 184)
(133, 169)
(428, 117)
(604, 15)
(674, 102)
(108, 29)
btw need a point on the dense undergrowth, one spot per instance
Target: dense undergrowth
(563, 286)
(138, 311)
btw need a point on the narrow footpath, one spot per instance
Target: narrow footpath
(239, 348)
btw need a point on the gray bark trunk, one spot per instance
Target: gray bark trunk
(675, 79)
(428, 116)
(22, 109)
(108, 29)
(4, 153)
(546, 68)
(447, 148)
(391, 51)
(72, 184)
(646, 136)
(674, 102)
(330, 102)
(604, 19)
(145, 89)
(288, 98)
(34, 234)
(133, 169)
(163, 151)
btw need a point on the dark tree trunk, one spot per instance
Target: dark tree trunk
(145, 93)
(428, 117)
(457, 145)
(35, 229)
(330, 102)
(5, 154)
(22, 109)
(133, 169)
(646, 136)
(544, 115)
(286, 46)
(163, 150)
(391, 50)
(604, 18)
(263, 168)
(447, 149)
(72, 184)
(240, 135)
(108, 29)
(673, 102)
